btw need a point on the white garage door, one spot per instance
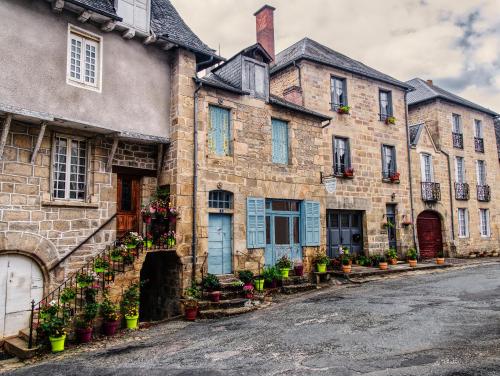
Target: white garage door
(21, 281)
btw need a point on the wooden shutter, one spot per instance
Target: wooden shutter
(310, 215)
(219, 131)
(256, 222)
(280, 141)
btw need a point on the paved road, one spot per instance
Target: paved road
(445, 323)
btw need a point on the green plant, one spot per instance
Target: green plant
(344, 109)
(363, 260)
(130, 300)
(381, 258)
(132, 238)
(85, 278)
(117, 253)
(67, 295)
(440, 254)
(390, 120)
(101, 263)
(391, 253)
(284, 263)
(88, 316)
(109, 310)
(321, 258)
(411, 254)
(345, 256)
(245, 276)
(53, 320)
(192, 295)
(210, 282)
(270, 274)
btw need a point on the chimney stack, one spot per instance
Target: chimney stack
(264, 19)
(430, 82)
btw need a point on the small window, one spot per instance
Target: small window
(427, 169)
(463, 223)
(341, 155)
(459, 170)
(478, 129)
(220, 200)
(338, 89)
(280, 141)
(70, 168)
(456, 124)
(385, 101)
(255, 79)
(484, 217)
(84, 53)
(481, 172)
(135, 13)
(219, 131)
(388, 161)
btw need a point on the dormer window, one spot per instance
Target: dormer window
(135, 13)
(255, 78)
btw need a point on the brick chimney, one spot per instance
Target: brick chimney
(264, 19)
(430, 82)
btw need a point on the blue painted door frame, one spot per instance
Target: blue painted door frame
(220, 240)
(292, 248)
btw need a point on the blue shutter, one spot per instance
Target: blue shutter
(256, 222)
(310, 212)
(280, 141)
(219, 135)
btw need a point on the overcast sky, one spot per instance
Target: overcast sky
(454, 42)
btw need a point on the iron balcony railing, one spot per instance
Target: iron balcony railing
(483, 193)
(458, 140)
(479, 144)
(431, 192)
(462, 191)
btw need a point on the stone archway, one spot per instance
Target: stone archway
(430, 235)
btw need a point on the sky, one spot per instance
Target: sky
(456, 43)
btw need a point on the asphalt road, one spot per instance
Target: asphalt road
(445, 323)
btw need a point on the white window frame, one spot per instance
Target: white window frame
(67, 181)
(460, 178)
(481, 175)
(459, 124)
(483, 225)
(478, 128)
(423, 156)
(87, 38)
(134, 25)
(464, 217)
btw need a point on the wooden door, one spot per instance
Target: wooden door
(128, 204)
(430, 238)
(220, 251)
(344, 228)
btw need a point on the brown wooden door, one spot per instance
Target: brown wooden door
(128, 204)
(430, 238)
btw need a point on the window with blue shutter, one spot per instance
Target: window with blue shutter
(256, 222)
(280, 141)
(219, 131)
(310, 214)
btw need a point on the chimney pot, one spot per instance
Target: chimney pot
(430, 82)
(264, 19)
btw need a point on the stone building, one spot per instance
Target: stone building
(454, 170)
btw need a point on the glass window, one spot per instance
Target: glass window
(83, 65)
(219, 131)
(481, 172)
(70, 168)
(220, 200)
(426, 166)
(484, 216)
(268, 230)
(457, 123)
(338, 92)
(341, 155)
(296, 230)
(463, 223)
(385, 99)
(281, 230)
(460, 172)
(285, 205)
(478, 129)
(388, 161)
(280, 141)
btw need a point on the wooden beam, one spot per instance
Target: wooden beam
(111, 155)
(108, 26)
(57, 6)
(150, 39)
(84, 16)
(38, 142)
(129, 34)
(5, 132)
(159, 160)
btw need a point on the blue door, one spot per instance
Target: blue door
(219, 244)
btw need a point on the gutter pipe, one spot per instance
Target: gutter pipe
(194, 241)
(452, 216)
(410, 179)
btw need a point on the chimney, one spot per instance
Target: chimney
(264, 19)
(430, 82)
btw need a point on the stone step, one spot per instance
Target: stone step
(223, 304)
(294, 280)
(218, 313)
(293, 289)
(25, 334)
(19, 347)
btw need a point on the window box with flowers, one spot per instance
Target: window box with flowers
(348, 173)
(394, 177)
(390, 120)
(343, 110)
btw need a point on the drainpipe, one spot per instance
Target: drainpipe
(452, 216)
(410, 179)
(195, 178)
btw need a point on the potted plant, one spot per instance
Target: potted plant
(84, 280)
(147, 214)
(212, 284)
(440, 257)
(374, 261)
(321, 260)
(148, 240)
(392, 256)
(411, 255)
(130, 305)
(348, 172)
(100, 264)
(298, 268)
(394, 177)
(343, 110)
(362, 260)
(173, 214)
(271, 276)
(110, 315)
(346, 263)
(190, 302)
(109, 275)
(116, 254)
(246, 276)
(390, 120)
(53, 321)
(382, 262)
(284, 265)
(84, 324)
(128, 257)
(67, 295)
(132, 240)
(171, 239)
(259, 282)
(248, 290)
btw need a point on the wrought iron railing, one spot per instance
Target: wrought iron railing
(431, 192)
(479, 144)
(462, 191)
(458, 140)
(483, 193)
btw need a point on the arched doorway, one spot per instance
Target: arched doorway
(430, 238)
(21, 280)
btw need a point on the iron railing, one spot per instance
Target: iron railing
(431, 192)
(458, 140)
(462, 191)
(479, 144)
(483, 193)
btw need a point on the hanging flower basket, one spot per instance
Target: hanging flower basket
(390, 120)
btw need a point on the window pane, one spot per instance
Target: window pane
(281, 230)
(220, 200)
(268, 230)
(126, 197)
(296, 232)
(344, 220)
(260, 81)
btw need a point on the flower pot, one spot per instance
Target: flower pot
(346, 268)
(215, 296)
(412, 263)
(99, 270)
(109, 327)
(83, 335)
(170, 242)
(131, 246)
(284, 272)
(148, 243)
(83, 285)
(109, 277)
(190, 313)
(172, 220)
(298, 270)
(382, 265)
(259, 284)
(116, 258)
(249, 295)
(394, 261)
(321, 268)
(147, 220)
(57, 343)
(440, 260)
(131, 321)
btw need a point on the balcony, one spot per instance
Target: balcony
(458, 140)
(462, 191)
(431, 192)
(479, 144)
(483, 193)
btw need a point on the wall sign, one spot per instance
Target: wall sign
(330, 184)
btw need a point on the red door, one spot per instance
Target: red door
(128, 204)
(430, 238)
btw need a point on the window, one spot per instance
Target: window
(219, 131)
(84, 59)
(255, 78)
(484, 219)
(456, 123)
(220, 200)
(280, 141)
(478, 129)
(388, 161)
(481, 172)
(426, 168)
(341, 155)
(385, 100)
(456, 131)
(459, 170)
(338, 89)
(70, 168)
(463, 223)
(135, 13)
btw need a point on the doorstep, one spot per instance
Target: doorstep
(365, 271)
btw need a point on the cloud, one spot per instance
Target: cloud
(455, 43)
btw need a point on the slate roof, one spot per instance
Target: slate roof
(217, 82)
(311, 50)
(273, 99)
(104, 7)
(415, 131)
(425, 91)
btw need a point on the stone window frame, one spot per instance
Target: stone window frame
(347, 151)
(465, 212)
(394, 154)
(390, 105)
(335, 106)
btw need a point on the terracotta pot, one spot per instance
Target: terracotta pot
(346, 268)
(190, 313)
(83, 335)
(215, 296)
(394, 261)
(383, 265)
(440, 260)
(412, 263)
(109, 327)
